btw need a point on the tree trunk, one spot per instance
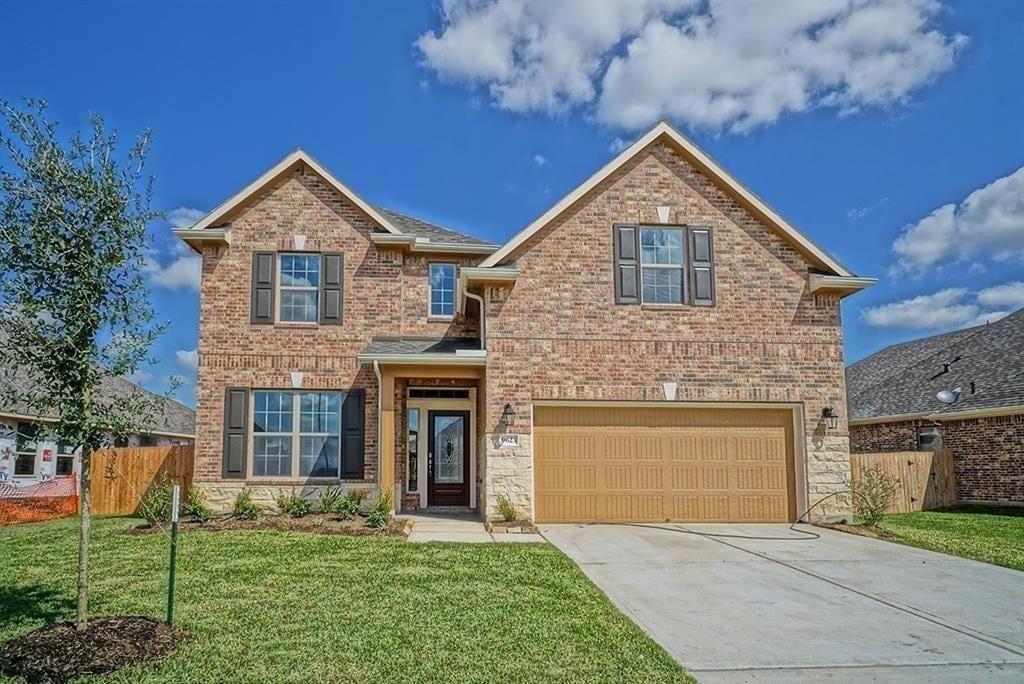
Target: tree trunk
(82, 615)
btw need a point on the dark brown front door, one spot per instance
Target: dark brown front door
(448, 458)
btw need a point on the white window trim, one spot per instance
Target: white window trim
(279, 287)
(430, 291)
(682, 267)
(296, 436)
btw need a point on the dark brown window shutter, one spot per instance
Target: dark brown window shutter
(236, 422)
(352, 434)
(264, 266)
(332, 279)
(627, 263)
(702, 267)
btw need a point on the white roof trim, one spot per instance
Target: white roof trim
(992, 412)
(296, 156)
(419, 244)
(703, 159)
(847, 284)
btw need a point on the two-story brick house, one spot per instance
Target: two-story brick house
(659, 345)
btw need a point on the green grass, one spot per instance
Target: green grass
(985, 533)
(275, 607)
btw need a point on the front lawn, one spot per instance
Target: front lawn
(276, 606)
(986, 533)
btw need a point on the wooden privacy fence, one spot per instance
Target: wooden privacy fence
(121, 476)
(926, 478)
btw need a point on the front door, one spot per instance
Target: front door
(448, 458)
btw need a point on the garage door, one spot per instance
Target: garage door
(596, 464)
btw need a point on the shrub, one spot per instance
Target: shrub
(155, 505)
(294, 505)
(873, 494)
(506, 509)
(381, 513)
(195, 505)
(329, 500)
(245, 507)
(350, 506)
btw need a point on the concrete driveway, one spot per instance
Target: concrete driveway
(787, 608)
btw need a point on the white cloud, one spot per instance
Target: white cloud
(139, 377)
(718, 64)
(183, 272)
(859, 213)
(990, 222)
(617, 145)
(950, 308)
(184, 217)
(188, 358)
(540, 160)
(944, 309)
(1009, 295)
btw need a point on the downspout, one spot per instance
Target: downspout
(479, 300)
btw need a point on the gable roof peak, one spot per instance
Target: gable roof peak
(703, 162)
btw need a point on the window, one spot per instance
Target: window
(148, 441)
(442, 290)
(296, 433)
(25, 450)
(65, 460)
(662, 265)
(929, 439)
(438, 393)
(413, 448)
(299, 288)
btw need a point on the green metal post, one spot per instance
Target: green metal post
(174, 548)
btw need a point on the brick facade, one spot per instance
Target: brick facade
(988, 453)
(557, 334)
(385, 293)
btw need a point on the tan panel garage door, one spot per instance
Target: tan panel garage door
(595, 464)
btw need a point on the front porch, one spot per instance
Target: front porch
(431, 395)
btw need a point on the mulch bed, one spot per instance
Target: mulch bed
(316, 523)
(862, 530)
(59, 653)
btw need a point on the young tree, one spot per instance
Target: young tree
(74, 307)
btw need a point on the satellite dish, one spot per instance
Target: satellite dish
(949, 396)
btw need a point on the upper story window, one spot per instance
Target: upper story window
(289, 287)
(299, 288)
(442, 290)
(662, 265)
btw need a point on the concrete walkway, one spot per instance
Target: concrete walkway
(459, 527)
(787, 608)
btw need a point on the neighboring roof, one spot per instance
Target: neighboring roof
(430, 231)
(390, 221)
(703, 162)
(173, 418)
(902, 380)
(420, 345)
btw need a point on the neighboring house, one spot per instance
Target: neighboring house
(28, 454)
(660, 344)
(894, 405)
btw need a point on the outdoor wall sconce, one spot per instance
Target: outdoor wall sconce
(830, 417)
(508, 416)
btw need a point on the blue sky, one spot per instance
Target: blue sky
(867, 126)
